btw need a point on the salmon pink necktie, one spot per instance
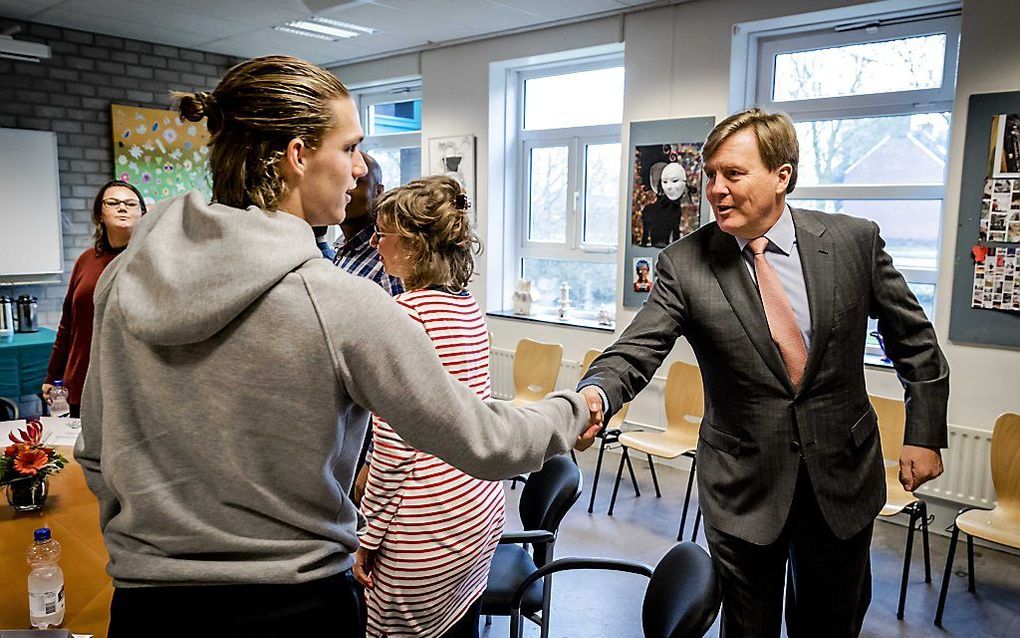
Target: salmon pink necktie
(779, 313)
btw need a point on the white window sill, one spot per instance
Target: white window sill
(573, 322)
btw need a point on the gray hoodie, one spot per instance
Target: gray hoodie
(225, 406)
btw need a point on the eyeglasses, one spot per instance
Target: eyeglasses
(130, 204)
(378, 234)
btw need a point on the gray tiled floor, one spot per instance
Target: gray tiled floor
(589, 604)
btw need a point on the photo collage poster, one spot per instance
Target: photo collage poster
(995, 285)
(994, 275)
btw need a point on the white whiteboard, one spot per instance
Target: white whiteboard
(31, 241)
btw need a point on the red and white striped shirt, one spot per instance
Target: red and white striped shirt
(434, 529)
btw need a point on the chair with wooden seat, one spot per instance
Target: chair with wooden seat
(1001, 524)
(536, 366)
(609, 436)
(891, 424)
(685, 405)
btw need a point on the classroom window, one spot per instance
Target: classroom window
(391, 117)
(872, 104)
(567, 160)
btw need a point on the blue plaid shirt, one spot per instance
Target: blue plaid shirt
(358, 257)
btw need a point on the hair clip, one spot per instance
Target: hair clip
(461, 202)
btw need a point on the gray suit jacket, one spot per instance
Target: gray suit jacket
(757, 425)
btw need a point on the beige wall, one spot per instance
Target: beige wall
(678, 65)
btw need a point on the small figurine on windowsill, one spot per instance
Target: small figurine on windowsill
(564, 300)
(524, 297)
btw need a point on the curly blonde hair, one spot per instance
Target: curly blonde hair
(253, 113)
(430, 215)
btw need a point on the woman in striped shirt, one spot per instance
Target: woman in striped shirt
(431, 529)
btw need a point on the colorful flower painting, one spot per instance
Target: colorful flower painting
(158, 153)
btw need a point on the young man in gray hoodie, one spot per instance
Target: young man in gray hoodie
(232, 369)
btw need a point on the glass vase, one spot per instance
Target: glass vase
(27, 495)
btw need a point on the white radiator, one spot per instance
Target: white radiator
(968, 475)
(967, 479)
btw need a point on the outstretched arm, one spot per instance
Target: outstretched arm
(627, 366)
(388, 365)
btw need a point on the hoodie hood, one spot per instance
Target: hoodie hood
(192, 267)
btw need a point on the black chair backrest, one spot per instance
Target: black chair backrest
(549, 494)
(8, 409)
(683, 596)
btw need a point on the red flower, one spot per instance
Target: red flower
(12, 450)
(31, 461)
(31, 435)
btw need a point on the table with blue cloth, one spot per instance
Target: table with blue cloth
(23, 362)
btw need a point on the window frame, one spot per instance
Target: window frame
(760, 82)
(385, 94)
(576, 139)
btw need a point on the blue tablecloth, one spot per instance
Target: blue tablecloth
(23, 362)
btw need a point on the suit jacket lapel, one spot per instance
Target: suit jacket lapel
(816, 258)
(738, 287)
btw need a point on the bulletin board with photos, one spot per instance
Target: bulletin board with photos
(986, 289)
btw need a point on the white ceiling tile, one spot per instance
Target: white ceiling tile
(243, 28)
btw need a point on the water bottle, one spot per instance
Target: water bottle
(58, 400)
(45, 582)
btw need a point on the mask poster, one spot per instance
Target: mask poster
(157, 153)
(666, 202)
(666, 198)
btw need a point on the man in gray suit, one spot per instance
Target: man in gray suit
(775, 303)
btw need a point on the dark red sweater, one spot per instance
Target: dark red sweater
(70, 358)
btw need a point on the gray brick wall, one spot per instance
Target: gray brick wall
(70, 94)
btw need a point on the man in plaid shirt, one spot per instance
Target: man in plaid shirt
(354, 251)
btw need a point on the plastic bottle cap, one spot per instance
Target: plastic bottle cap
(59, 383)
(42, 534)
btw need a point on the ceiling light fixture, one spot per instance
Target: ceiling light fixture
(324, 29)
(308, 34)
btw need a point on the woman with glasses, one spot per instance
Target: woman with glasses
(431, 530)
(116, 209)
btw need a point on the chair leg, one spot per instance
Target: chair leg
(697, 521)
(598, 468)
(655, 479)
(908, 550)
(945, 576)
(970, 564)
(633, 477)
(515, 626)
(546, 605)
(924, 540)
(616, 485)
(687, 499)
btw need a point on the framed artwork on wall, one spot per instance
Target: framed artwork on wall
(158, 153)
(454, 157)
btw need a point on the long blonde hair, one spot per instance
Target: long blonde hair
(253, 113)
